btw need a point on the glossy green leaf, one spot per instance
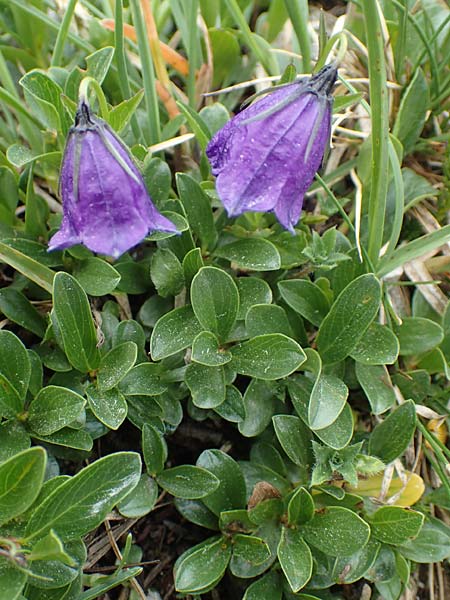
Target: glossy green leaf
(173, 332)
(247, 549)
(300, 507)
(378, 346)
(255, 254)
(270, 356)
(418, 335)
(295, 439)
(82, 502)
(116, 364)
(54, 408)
(166, 273)
(21, 478)
(268, 587)
(109, 406)
(14, 362)
(412, 113)
(252, 291)
(75, 324)
(143, 380)
(321, 531)
(267, 318)
(340, 432)
(96, 276)
(13, 439)
(206, 350)
(295, 558)
(18, 309)
(377, 385)
(306, 298)
(120, 115)
(68, 437)
(395, 525)
(206, 384)
(12, 581)
(215, 300)
(259, 402)
(202, 565)
(231, 492)
(154, 449)
(390, 438)
(198, 209)
(196, 512)
(351, 314)
(432, 544)
(188, 482)
(328, 398)
(140, 500)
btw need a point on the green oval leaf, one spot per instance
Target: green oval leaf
(337, 531)
(188, 481)
(351, 314)
(306, 298)
(395, 525)
(390, 438)
(269, 357)
(215, 300)
(231, 492)
(21, 478)
(82, 502)
(255, 254)
(116, 364)
(295, 558)
(202, 566)
(54, 408)
(173, 332)
(75, 324)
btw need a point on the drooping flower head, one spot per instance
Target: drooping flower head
(106, 205)
(265, 158)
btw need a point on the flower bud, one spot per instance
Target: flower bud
(106, 206)
(265, 158)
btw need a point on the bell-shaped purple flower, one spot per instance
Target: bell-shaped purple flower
(265, 158)
(105, 202)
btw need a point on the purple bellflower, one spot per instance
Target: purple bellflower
(106, 205)
(265, 157)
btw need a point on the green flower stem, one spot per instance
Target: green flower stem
(343, 44)
(121, 64)
(148, 75)
(344, 215)
(85, 84)
(62, 34)
(298, 14)
(380, 128)
(266, 59)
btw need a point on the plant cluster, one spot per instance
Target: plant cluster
(317, 350)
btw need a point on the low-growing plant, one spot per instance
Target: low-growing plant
(281, 387)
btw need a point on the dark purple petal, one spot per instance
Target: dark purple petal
(265, 158)
(106, 204)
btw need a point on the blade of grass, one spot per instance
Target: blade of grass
(148, 75)
(399, 201)
(43, 18)
(121, 64)
(380, 128)
(298, 14)
(40, 274)
(267, 61)
(414, 249)
(62, 34)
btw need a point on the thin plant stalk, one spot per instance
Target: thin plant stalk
(62, 34)
(265, 58)
(380, 129)
(298, 14)
(192, 10)
(121, 63)
(148, 75)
